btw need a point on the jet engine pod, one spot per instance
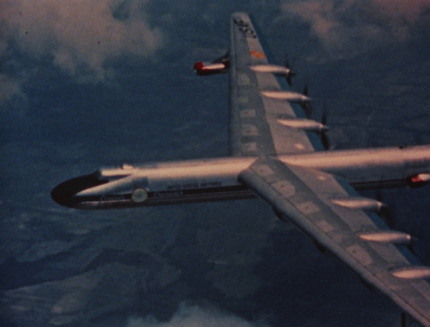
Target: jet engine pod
(207, 68)
(139, 195)
(419, 180)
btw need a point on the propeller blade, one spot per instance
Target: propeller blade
(324, 114)
(386, 212)
(323, 134)
(308, 109)
(403, 319)
(325, 140)
(287, 62)
(306, 106)
(291, 72)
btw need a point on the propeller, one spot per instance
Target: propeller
(290, 73)
(403, 319)
(306, 105)
(387, 213)
(307, 108)
(323, 132)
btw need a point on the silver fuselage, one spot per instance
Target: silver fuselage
(217, 179)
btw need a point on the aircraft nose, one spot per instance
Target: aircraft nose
(65, 193)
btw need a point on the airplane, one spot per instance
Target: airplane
(277, 154)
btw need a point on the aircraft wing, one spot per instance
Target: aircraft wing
(263, 120)
(328, 209)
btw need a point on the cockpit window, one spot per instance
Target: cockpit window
(111, 174)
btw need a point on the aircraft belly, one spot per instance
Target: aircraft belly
(233, 192)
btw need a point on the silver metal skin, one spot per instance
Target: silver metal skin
(275, 156)
(304, 124)
(217, 179)
(287, 95)
(272, 69)
(387, 237)
(164, 183)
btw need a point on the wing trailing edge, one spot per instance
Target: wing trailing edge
(359, 239)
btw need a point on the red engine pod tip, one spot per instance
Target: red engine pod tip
(198, 66)
(419, 180)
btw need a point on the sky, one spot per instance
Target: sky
(92, 84)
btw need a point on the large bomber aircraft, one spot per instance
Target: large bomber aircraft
(277, 154)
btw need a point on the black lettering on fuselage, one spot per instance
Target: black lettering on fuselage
(245, 28)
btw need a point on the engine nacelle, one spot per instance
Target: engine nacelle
(210, 68)
(290, 96)
(218, 66)
(419, 180)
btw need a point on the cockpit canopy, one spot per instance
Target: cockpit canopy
(104, 184)
(113, 173)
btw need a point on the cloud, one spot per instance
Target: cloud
(400, 9)
(10, 89)
(80, 37)
(351, 25)
(193, 316)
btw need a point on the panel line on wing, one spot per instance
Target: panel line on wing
(254, 126)
(382, 265)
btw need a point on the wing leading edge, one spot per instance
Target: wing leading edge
(323, 207)
(262, 118)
